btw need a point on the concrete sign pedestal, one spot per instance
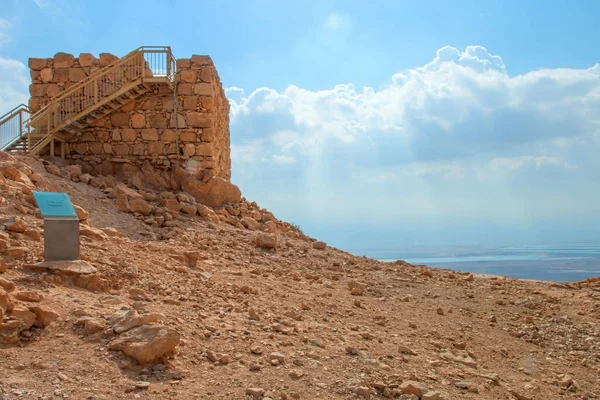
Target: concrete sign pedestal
(61, 226)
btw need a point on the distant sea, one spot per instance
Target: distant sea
(567, 263)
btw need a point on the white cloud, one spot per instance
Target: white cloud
(458, 105)
(283, 159)
(5, 26)
(511, 164)
(14, 84)
(42, 3)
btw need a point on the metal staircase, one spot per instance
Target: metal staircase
(89, 100)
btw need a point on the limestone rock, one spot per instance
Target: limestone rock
(434, 395)
(81, 213)
(26, 317)
(44, 316)
(267, 240)
(319, 245)
(7, 285)
(140, 206)
(124, 321)
(147, 343)
(29, 296)
(413, 387)
(75, 267)
(215, 192)
(250, 223)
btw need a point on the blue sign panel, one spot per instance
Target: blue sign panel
(53, 204)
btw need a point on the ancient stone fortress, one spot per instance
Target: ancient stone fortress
(153, 136)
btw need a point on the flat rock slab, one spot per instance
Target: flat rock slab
(74, 267)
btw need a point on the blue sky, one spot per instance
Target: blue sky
(376, 123)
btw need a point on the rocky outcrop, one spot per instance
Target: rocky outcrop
(215, 192)
(147, 343)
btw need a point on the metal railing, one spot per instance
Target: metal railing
(145, 63)
(13, 126)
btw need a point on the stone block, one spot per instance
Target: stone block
(208, 134)
(150, 134)
(63, 60)
(150, 104)
(189, 150)
(107, 59)
(46, 75)
(87, 137)
(185, 89)
(52, 90)
(204, 149)
(156, 148)
(189, 76)
(181, 123)
(167, 135)
(138, 149)
(35, 76)
(128, 135)
(203, 89)
(121, 149)
(197, 119)
(95, 147)
(183, 63)
(119, 119)
(138, 121)
(198, 60)
(76, 74)
(79, 148)
(208, 103)
(37, 89)
(167, 103)
(158, 121)
(116, 135)
(206, 74)
(37, 64)
(60, 75)
(190, 103)
(128, 106)
(107, 148)
(188, 136)
(86, 59)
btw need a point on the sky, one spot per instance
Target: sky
(376, 123)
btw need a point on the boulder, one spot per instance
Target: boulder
(267, 240)
(44, 316)
(125, 320)
(215, 192)
(413, 387)
(140, 206)
(250, 223)
(147, 343)
(26, 317)
(319, 245)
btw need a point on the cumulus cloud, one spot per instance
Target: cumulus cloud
(461, 104)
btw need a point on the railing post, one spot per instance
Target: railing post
(20, 124)
(29, 137)
(95, 91)
(52, 147)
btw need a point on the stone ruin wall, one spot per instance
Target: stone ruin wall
(139, 139)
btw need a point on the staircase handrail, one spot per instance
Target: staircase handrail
(15, 132)
(9, 114)
(103, 72)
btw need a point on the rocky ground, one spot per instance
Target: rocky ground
(176, 300)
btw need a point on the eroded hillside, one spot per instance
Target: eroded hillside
(177, 300)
